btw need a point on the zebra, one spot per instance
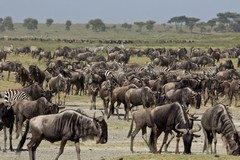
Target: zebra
(12, 95)
(110, 76)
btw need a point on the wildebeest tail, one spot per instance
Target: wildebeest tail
(131, 127)
(151, 140)
(23, 139)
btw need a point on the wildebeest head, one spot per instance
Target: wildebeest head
(101, 125)
(188, 135)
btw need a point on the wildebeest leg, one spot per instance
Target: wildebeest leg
(20, 123)
(177, 145)
(62, 145)
(167, 144)
(156, 134)
(32, 146)
(215, 141)
(164, 141)
(5, 138)
(77, 145)
(144, 136)
(10, 137)
(206, 143)
(134, 133)
(117, 109)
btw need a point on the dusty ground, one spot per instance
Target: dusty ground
(118, 144)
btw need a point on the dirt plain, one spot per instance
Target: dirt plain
(118, 144)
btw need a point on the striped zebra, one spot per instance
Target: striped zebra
(110, 76)
(12, 95)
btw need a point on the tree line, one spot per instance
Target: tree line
(224, 22)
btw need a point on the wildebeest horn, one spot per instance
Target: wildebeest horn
(180, 130)
(196, 130)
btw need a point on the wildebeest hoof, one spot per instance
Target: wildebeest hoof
(4, 150)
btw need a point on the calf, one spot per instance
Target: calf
(25, 109)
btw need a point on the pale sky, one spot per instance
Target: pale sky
(114, 11)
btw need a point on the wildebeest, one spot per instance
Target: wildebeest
(93, 92)
(67, 125)
(25, 109)
(25, 50)
(184, 96)
(35, 91)
(215, 120)
(142, 121)
(3, 55)
(57, 84)
(7, 66)
(104, 93)
(118, 95)
(139, 96)
(36, 74)
(22, 76)
(6, 121)
(45, 54)
(234, 91)
(170, 117)
(227, 74)
(228, 64)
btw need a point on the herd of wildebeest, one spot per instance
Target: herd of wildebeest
(169, 83)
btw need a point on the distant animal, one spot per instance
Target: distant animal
(57, 85)
(6, 121)
(3, 55)
(23, 77)
(234, 91)
(170, 117)
(7, 66)
(44, 54)
(24, 50)
(104, 93)
(217, 119)
(67, 125)
(93, 92)
(37, 74)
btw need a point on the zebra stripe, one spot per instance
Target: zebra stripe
(139, 69)
(12, 95)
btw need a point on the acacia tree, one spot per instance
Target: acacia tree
(227, 19)
(97, 25)
(178, 21)
(49, 22)
(150, 25)
(67, 25)
(126, 25)
(140, 25)
(8, 23)
(211, 23)
(202, 26)
(2, 29)
(30, 23)
(190, 22)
